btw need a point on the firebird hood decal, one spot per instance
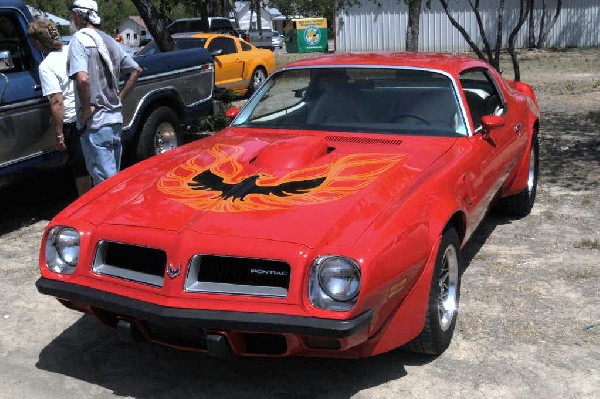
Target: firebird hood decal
(227, 185)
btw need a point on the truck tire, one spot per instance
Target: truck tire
(161, 132)
(256, 80)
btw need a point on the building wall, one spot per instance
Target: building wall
(131, 32)
(245, 23)
(381, 26)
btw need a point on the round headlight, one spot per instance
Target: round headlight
(339, 278)
(67, 245)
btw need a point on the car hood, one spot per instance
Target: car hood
(304, 188)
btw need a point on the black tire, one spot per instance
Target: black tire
(161, 132)
(256, 80)
(519, 205)
(444, 295)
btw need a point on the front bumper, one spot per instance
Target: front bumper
(205, 319)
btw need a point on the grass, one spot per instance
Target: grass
(587, 243)
(546, 214)
(594, 116)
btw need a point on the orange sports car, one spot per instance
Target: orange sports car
(239, 66)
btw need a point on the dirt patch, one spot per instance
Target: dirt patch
(528, 323)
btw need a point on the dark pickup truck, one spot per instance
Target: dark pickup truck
(174, 89)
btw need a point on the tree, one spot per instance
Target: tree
(412, 28)
(524, 10)
(112, 12)
(491, 53)
(156, 22)
(59, 8)
(543, 28)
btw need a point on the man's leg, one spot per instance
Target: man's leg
(102, 150)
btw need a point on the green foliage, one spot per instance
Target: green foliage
(306, 8)
(59, 8)
(214, 123)
(113, 12)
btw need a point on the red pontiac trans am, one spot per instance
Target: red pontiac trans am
(326, 220)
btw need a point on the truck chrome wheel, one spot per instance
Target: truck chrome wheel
(447, 285)
(165, 139)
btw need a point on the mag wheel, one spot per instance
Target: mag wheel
(440, 318)
(258, 77)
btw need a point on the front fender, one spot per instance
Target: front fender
(150, 101)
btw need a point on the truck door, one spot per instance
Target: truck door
(25, 118)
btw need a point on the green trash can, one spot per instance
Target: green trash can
(306, 35)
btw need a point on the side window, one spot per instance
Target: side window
(197, 26)
(218, 25)
(483, 97)
(245, 46)
(223, 43)
(12, 39)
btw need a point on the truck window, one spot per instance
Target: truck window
(218, 25)
(13, 39)
(223, 43)
(196, 25)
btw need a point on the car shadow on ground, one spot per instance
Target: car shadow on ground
(35, 199)
(90, 352)
(481, 235)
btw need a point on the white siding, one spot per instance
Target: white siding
(382, 26)
(130, 32)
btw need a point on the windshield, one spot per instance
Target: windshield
(374, 100)
(181, 43)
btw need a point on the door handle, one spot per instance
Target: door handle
(37, 87)
(517, 127)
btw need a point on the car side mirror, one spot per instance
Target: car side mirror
(232, 112)
(6, 61)
(490, 122)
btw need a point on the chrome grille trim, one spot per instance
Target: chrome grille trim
(193, 284)
(101, 266)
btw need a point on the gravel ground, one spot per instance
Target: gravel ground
(529, 316)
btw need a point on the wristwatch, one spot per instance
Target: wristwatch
(60, 137)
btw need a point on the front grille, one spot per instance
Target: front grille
(130, 262)
(244, 276)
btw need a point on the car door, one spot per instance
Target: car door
(497, 148)
(25, 119)
(229, 66)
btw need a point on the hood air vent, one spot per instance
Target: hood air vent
(363, 140)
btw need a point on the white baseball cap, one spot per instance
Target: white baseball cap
(87, 6)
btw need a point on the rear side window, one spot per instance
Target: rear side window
(245, 46)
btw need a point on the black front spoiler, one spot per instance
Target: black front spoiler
(206, 319)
